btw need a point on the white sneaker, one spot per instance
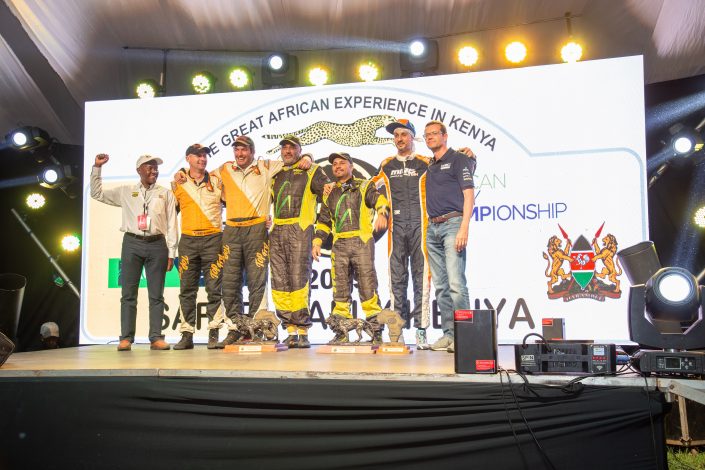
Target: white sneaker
(451, 348)
(443, 343)
(421, 341)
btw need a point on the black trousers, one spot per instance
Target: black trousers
(407, 254)
(246, 255)
(196, 255)
(153, 257)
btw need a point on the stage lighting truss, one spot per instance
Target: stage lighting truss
(515, 52)
(203, 82)
(318, 76)
(35, 201)
(28, 138)
(468, 56)
(685, 141)
(240, 78)
(368, 72)
(148, 89)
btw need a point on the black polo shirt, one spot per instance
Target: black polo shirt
(446, 179)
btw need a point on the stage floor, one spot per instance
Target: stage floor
(105, 361)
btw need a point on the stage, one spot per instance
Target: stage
(94, 407)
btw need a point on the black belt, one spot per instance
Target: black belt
(445, 217)
(146, 238)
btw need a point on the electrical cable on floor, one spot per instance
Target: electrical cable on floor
(651, 420)
(509, 418)
(528, 427)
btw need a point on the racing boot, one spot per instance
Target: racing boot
(292, 341)
(213, 338)
(232, 338)
(186, 341)
(303, 338)
(303, 342)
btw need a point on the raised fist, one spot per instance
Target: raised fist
(101, 159)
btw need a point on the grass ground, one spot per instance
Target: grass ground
(680, 458)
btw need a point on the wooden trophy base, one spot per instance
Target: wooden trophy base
(394, 348)
(347, 348)
(253, 348)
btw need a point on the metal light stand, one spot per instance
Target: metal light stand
(46, 253)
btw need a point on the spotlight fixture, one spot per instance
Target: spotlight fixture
(419, 57)
(665, 312)
(417, 47)
(699, 217)
(35, 201)
(55, 176)
(70, 243)
(515, 52)
(147, 89)
(240, 78)
(279, 70)
(318, 76)
(571, 52)
(685, 141)
(28, 138)
(468, 56)
(368, 72)
(203, 82)
(278, 62)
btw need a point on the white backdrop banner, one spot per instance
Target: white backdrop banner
(560, 183)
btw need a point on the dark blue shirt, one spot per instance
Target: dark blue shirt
(446, 179)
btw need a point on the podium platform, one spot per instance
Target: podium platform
(94, 407)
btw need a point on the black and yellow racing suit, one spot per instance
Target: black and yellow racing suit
(347, 212)
(295, 194)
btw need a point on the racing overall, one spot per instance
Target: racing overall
(295, 193)
(347, 212)
(199, 247)
(405, 183)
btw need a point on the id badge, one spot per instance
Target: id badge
(144, 222)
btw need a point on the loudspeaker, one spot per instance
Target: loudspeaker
(553, 329)
(6, 348)
(475, 341)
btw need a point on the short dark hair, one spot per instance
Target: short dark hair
(439, 123)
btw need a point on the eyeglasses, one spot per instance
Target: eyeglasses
(431, 134)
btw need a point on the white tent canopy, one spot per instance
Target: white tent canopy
(58, 54)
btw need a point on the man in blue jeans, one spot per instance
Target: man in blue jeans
(450, 198)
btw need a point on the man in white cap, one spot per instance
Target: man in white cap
(149, 223)
(50, 335)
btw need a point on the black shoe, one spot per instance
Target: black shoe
(303, 342)
(292, 341)
(232, 338)
(186, 341)
(213, 338)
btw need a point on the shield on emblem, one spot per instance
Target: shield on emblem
(582, 267)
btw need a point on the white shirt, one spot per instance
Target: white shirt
(156, 201)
